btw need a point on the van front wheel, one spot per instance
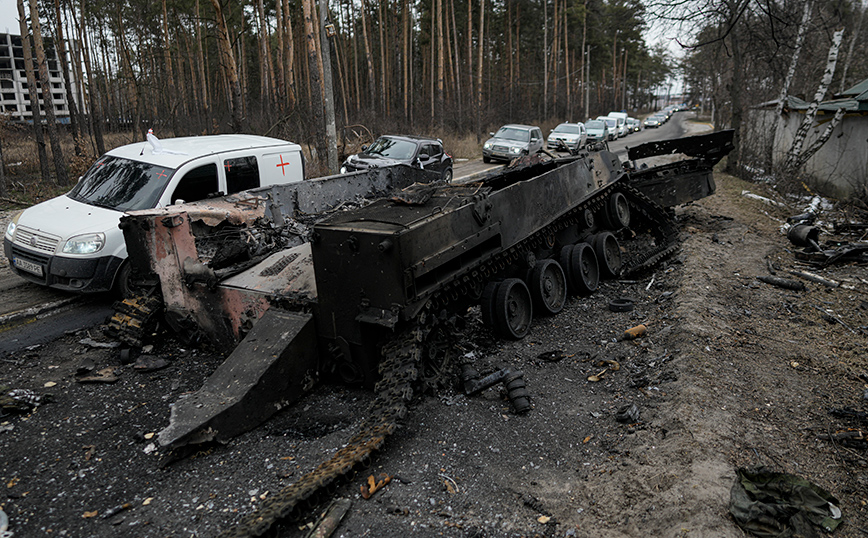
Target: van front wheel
(122, 287)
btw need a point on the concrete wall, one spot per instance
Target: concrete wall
(839, 168)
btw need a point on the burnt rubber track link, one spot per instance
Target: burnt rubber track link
(393, 392)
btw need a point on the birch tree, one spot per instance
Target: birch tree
(795, 158)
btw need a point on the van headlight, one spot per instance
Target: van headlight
(85, 244)
(487, 145)
(515, 149)
(10, 228)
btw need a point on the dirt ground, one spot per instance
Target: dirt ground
(733, 372)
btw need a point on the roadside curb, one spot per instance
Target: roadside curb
(23, 316)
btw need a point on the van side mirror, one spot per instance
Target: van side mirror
(423, 156)
(490, 134)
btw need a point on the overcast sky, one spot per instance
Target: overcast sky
(8, 17)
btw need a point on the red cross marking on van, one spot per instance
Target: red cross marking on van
(162, 174)
(281, 165)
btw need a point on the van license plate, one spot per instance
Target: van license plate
(30, 267)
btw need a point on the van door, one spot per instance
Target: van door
(281, 167)
(242, 173)
(197, 184)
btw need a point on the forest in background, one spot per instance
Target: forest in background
(431, 67)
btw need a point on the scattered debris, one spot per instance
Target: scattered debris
(106, 375)
(552, 356)
(90, 342)
(4, 525)
(767, 503)
(374, 484)
(763, 199)
(22, 400)
(116, 510)
(330, 519)
(628, 414)
(780, 282)
(635, 332)
(850, 438)
(816, 278)
(621, 304)
(834, 319)
(149, 363)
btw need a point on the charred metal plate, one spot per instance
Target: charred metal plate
(271, 368)
(710, 148)
(288, 273)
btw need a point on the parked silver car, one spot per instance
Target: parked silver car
(571, 135)
(512, 141)
(597, 131)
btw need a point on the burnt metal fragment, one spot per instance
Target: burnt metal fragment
(785, 283)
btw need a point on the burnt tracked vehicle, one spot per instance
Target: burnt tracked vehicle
(372, 291)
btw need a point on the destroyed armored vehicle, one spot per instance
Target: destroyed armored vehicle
(364, 277)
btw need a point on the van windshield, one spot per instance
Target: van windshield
(122, 184)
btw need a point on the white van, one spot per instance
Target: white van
(623, 130)
(73, 242)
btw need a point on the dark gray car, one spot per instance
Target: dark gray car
(511, 141)
(388, 150)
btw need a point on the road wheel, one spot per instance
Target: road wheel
(485, 159)
(617, 212)
(586, 271)
(486, 303)
(447, 175)
(548, 286)
(608, 252)
(513, 309)
(122, 287)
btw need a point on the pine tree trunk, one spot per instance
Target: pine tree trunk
(95, 109)
(229, 68)
(372, 81)
(479, 67)
(34, 98)
(441, 64)
(203, 80)
(733, 160)
(60, 47)
(53, 135)
(458, 84)
(290, 57)
(170, 72)
(315, 85)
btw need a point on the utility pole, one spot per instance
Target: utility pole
(327, 31)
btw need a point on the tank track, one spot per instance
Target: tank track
(402, 357)
(135, 319)
(399, 370)
(654, 219)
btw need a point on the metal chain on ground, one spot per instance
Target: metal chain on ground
(394, 390)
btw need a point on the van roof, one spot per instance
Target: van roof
(190, 147)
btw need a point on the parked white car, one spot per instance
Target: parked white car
(73, 242)
(571, 135)
(621, 119)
